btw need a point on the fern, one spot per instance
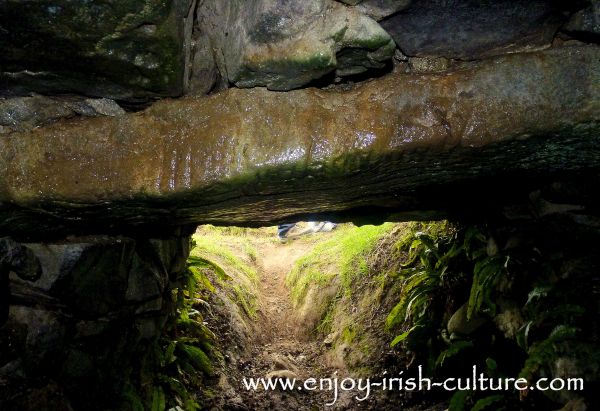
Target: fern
(538, 293)
(486, 274)
(454, 349)
(196, 357)
(182, 355)
(544, 352)
(458, 401)
(158, 399)
(403, 336)
(424, 277)
(132, 398)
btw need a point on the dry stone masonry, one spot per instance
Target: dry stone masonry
(270, 110)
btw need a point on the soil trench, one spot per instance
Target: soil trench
(282, 347)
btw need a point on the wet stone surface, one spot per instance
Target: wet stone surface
(403, 143)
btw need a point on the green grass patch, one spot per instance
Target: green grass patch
(220, 245)
(343, 255)
(214, 246)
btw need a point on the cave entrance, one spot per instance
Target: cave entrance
(389, 300)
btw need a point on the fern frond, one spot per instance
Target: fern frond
(196, 357)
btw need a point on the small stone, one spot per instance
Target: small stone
(459, 324)
(281, 374)
(283, 363)
(509, 321)
(98, 107)
(328, 341)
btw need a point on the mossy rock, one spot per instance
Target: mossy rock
(285, 45)
(128, 50)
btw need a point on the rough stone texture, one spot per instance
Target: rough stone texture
(379, 9)
(128, 50)
(285, 44)
(24, 113)
(428, 64)
(80, 329)
(440, 142)
(585, 23)
(19, 260)
(470, 29)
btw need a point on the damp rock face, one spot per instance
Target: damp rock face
(404, 143)
(24, 113)
(378, 9)
(585, 23)
(76, 331)
(283, 44)
(127, 50)
(472, 29)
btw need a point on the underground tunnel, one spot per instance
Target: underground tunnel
(436, 162)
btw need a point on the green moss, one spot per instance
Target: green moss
(371, 43)
(213, 245)
(348, 334)
(337, 262)
(342, 257)
(286, 73)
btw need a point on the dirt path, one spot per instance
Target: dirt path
(282, 348)
(276, 261)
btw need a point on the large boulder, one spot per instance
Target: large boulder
(471, 29)
(444, 142)
(284, 44)
(128, 50)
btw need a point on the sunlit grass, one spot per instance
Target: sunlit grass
(342, 255)
(230, 248)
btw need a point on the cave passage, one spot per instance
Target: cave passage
(440, 161)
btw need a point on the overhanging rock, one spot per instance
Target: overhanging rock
(402, 143)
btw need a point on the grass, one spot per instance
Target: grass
(340, 258)
(232, 250)
(214, 246)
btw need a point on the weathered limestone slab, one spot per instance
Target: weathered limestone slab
(404, 142)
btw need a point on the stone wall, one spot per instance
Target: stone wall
(410, 109)
(85, 325)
